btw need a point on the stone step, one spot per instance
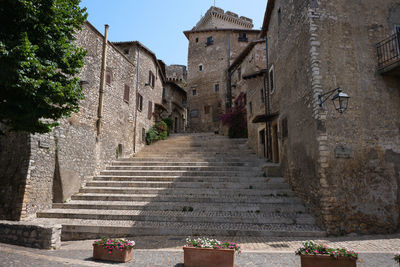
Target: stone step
(188, 191)
(275, 205)
(181, 173)
(200, 179)
(75, 229)
(204, 198)
(163, 163)
(184, 158)
(197, 154)
(179, 216)
(185, 168)
(201, 185)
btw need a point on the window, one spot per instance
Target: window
(216, 88)
(139, 102)
(194, 92)
(262, 95)
(279, 16)
(197, 40)
(239, 71)
(143, 135)
(150, 111)
(271, 79)
(151, 79)
(285, 131)
(251, 108)
(210, 41)
(207, 109)
(200, 67)
(126, 93)
(242, 37)
(108, 76)
(194, 113)
(126, 51)
(163, 93)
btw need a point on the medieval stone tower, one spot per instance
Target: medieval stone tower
(216, 40)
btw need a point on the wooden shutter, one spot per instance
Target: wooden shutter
(126, 93)
(150, 110)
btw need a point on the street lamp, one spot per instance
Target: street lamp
(340, 100)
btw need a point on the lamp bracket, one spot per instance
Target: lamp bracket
(323, 97)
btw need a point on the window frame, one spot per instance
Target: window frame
(243, 37)
(139, 102)
(127, 90)
(273, 84)
(216, 87)
(152, 79)
(108, 76)
(150, 110)
(194, 92)
(210, 41)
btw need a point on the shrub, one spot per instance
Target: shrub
(152, 135)
(161, 126)
(397, 257)
(169, 123)
(236, 118)
(163, 135)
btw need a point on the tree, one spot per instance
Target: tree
(39, 62)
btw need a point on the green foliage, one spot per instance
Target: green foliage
(39, 62)
(163, 135)
(152, 135)
(161, 126)
(169, 123)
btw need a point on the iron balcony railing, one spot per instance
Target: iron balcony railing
(388, 52)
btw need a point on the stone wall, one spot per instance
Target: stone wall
(174, 99)
(177, 74)
(344, 166)
(31, 235)
(362, 190)
(61, 161)
(14, 167)
(214, 60)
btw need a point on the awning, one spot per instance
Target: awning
(263, 118)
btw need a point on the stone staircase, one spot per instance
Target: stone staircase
(193, 184)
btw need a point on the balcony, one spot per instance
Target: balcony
(389, 55)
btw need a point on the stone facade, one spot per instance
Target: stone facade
(174, 99)
(149, 86)
(344, 166)
(38, 170)
(248, 76)
(177, 74)
(216, 40)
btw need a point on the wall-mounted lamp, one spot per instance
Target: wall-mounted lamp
(340, 100)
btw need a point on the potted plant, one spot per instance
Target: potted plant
(397, 257)
(119, 250)
(313, 255)
(206, 252)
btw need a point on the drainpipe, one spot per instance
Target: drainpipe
(228, 104)
(137, 92)
(268, 142)
(102, 80)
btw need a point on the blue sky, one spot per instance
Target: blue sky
(159, 24)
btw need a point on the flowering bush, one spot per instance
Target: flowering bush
(236, 118)
(204, 242)
(397, 257)
(310, 248)
(112, 244)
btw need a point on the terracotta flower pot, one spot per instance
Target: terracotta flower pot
(100, 253)
(326, 261)
(208, 257)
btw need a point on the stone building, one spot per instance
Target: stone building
(177, 74)
(148, 87)
(248, 76)
(216, 40)
(174, 99)
(37, 170)
(344, 166)
(41, 169)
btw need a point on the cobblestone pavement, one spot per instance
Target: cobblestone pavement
(164, 251)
